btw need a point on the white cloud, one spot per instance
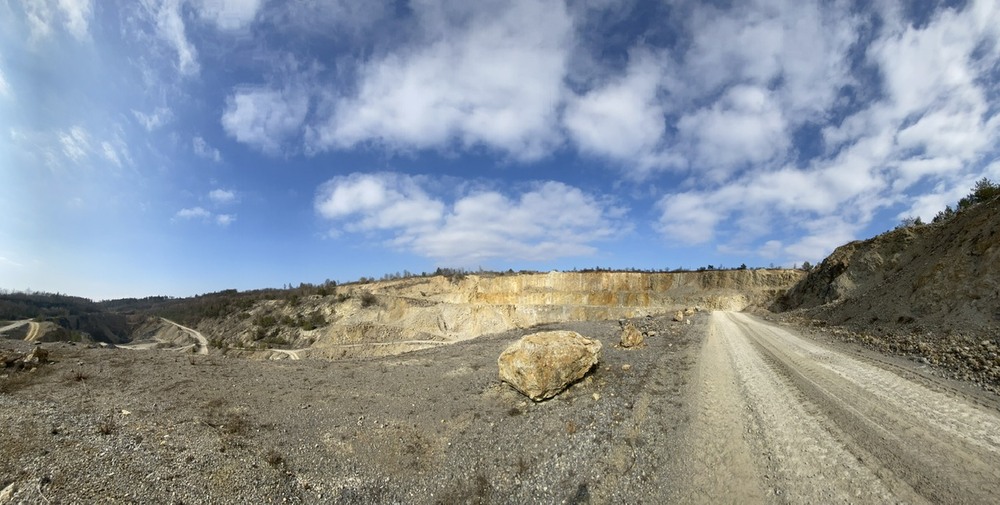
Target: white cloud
(110, 153)
(75, 143)
(265, 118)
(170, 27)
(623, 119)
(505, 64)
(75, 16)
(4, 86)
(155, 119)
(39, 14)
(746, 126)
(222, 196)
(225, 219)
(193, 213)
(548, 221)
(382, 201)
(932, 123)
(202, 149)
(228, 14)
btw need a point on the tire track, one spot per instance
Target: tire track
(945, 448)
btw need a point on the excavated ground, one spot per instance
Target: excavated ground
(728, 408)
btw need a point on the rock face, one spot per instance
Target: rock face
(541, 365)
(631, 337)
(943, 274)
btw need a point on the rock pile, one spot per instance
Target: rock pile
(18, 361)
(541, 365)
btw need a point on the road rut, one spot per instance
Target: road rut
(777, 418)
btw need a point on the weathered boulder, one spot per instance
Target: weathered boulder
(631, 337)
(541, 365)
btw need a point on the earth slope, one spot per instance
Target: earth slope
(929, 292)
(944, 275)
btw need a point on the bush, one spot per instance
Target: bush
(368, 299)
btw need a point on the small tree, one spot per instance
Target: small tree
(984, 191)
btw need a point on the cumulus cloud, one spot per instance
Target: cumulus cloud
(623, 119)
(263, 117)
(222, 196)
(547, 221)
(204, 150)
(193, 213)
(225, 219)
(930, 124)
(505, 64)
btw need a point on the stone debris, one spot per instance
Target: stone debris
(632, 337)
(679, 316)
(541, 365)
(17, 360)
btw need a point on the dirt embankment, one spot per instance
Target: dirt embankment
(389, 317)
(931, 292)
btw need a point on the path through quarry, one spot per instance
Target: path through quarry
(202, 342)
(777, 418)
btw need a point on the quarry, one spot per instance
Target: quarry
(871, 377)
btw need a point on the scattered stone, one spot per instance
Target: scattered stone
(679, 316)
(37, 356)
(541, 365)
(631, 337)
(596, 396)
(689, 311)
(626, 367)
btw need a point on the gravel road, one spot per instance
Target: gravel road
(782, 419)
(727, 409)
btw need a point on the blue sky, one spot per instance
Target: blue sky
(184, 146)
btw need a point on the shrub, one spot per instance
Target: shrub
(368, 299)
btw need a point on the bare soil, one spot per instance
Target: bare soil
(728, 409)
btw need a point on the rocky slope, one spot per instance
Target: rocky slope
(931, 292)
(945, 275)
(395, 316)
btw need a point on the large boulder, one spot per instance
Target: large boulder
(631, 336)
(541, 365)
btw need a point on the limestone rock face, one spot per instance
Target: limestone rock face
(631, 337)
(541, 365)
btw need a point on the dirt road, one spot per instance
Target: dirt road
(777, 418)
(195, 334)
(14, 325)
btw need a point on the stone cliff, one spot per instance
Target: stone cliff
(394, 316)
